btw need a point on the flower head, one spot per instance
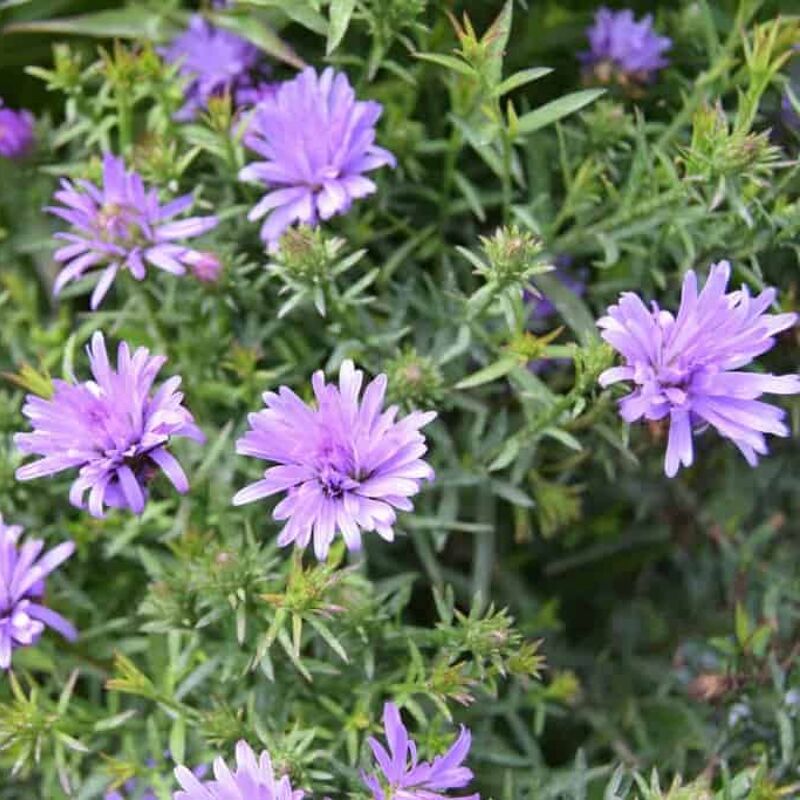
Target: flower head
(687, 366)
(23, 570)
(318, 141)
(16, 132)
(347, 465)
(254, 779)
(214, 60)
(114, 430)
(404, 777)
(121, 225)
(622, 47)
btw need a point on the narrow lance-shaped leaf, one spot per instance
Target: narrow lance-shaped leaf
(340, 13)
(553, 111)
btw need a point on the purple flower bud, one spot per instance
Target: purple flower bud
(206, 267)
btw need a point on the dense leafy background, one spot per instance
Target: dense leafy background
(668, 610)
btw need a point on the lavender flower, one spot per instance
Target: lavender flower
(254, 779)
(121, 226)
(16, 132)
(347, 465)
(113, 429)
(318, 141)
(686, 367)
(622, 47)
(214, 60)
(404, 777)
(22, 583)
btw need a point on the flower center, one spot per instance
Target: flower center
(117, 222)
(336, 470)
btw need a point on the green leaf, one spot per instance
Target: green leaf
(488, 374)
(298, 12)
(261, 36)
(132, 22)
(520, 78)
(497, 38)
(571, 307)
(742, 625)
(552, 112)
(448, 62)
(177, 740)
(513, 494)
(340, 13)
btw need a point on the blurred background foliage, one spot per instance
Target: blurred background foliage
(666, 611)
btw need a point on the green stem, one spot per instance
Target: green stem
(484, 549)
(150, 317)
(124, 121)
(506, 178)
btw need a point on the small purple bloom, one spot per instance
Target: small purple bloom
(114, 430)
(686, 367)
(347, 464)
(789, 115)
(121, 226)
(404, 777)
(23, 570)
(254, 779)
(318, 141)
(214, 60)
(632, 49)
(16, 132)
(206, 267)
(540, 306)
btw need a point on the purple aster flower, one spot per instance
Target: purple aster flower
(254, 779)
(215, 61)
(619, 44)
(686, 367)
(347, 465)
(114, 430)
(121, 226)
(16, 132)
(23, 570)
(404, 777)
(318, 141)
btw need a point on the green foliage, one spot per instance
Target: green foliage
(588, 619)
